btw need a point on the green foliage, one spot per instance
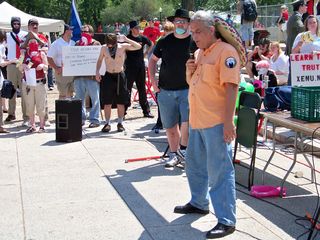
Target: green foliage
(110, 11)
(128, 10)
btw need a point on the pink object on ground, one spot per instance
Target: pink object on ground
(262, 191)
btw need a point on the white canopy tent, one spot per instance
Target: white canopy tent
(45, 24)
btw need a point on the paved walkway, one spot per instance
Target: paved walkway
(85, 190)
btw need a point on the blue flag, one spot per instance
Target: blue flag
(75, 22)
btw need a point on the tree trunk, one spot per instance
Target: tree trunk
(188, 4)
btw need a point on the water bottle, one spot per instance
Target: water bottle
(265, 81)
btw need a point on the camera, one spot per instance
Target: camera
(120, 38)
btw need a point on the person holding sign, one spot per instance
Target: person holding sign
(35, 66)
(308, 41)
(87, 85)
(64, 83)
(113, 85)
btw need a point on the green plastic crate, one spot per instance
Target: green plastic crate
(305, 103)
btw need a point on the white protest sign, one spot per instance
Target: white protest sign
(81, 61)
(305, 69)
(31, 79)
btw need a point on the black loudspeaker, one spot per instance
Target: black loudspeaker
(68, 120)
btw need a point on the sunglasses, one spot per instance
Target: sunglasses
(85, 31)
(180, 21)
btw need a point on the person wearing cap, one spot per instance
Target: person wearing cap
(87, 85)
(43, 43)
(35, 92)
(14, 41)
(64, 83)
(113, 85)
(135, 66)
(213, 78)
(171, 87)
(295, 23)
(33, 32)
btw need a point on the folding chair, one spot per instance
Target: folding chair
(247, 127)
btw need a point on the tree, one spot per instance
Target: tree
(188, 4)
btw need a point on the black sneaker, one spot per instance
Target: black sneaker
(10, 118)
(220, 230)
(148, 115)
(120, 127)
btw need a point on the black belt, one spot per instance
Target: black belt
(114, 74)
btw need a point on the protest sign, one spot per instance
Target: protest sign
(81, 61)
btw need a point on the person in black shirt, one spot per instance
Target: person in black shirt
(135, 68)
(172, 88)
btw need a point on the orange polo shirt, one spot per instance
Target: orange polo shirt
(218, 65)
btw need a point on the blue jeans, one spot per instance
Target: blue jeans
(85, 85)
(50, 77)
(174, 107)
(246, 30)
(211, 173)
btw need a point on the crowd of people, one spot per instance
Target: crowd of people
(299, 29)
(193, 51)
(200, 57)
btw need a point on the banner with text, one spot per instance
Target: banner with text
(305, 69)
(81, 61)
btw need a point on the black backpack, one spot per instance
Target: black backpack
(7, 90)
(249, 12)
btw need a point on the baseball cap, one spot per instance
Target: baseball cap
(33, 21)
(67, 27)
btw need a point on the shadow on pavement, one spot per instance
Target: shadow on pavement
(155, 224)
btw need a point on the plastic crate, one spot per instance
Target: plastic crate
(305, 103)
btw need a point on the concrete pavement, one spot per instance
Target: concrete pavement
(85, 190)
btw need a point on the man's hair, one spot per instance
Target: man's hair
(204, 16)
(207, 18)
(264, 41)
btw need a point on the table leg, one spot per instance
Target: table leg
(293, 163)
(273, 151)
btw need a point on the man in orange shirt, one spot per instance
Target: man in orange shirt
(213, 78)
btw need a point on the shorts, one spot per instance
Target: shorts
(246, 30)
(174, 107)
(114, 89)
(64, 84)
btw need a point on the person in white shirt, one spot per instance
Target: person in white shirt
(3, 63)
(279, 63)
(64, 84)
(14, 40)
(309, 40)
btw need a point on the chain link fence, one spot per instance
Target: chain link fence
(267, 14)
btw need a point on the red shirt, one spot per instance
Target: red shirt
(152, 33)
(310, 7)
(36, 60)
